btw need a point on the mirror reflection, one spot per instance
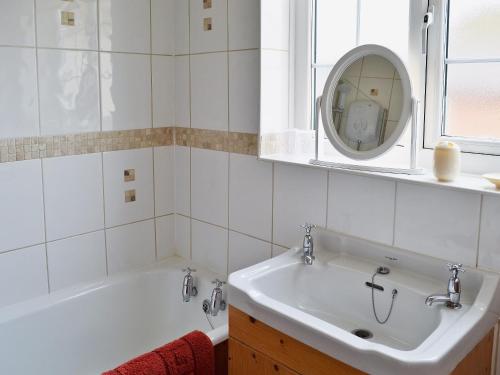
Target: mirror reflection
(368, 103)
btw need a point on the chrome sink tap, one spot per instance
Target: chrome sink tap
(188, 288)
(452, 298)
(308, 245)
(216, 303)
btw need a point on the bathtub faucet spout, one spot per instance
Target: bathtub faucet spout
(216, 302)
(188, 288)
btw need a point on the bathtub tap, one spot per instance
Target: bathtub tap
(188, 288)
(216, 303)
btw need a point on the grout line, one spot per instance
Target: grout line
(481, 202)
(88, 49)
(328, 174)
(228, 127)
(272, 204)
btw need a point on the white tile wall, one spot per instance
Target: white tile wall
(17, 23)
(209, 186)
(21, 219)
(183, 236)
(125, 91)
(441, 223)
(76, 260)
(213, 40)
(246, 251)
(130, 246)
(250, 196)
(209, 246)
(244, 115)
(50, 32)
(162, 26)
(243, 25)
(163, 91)
(118, 211)
(181, 27)
(361, 206)
(165, 236)
(299, 197)
(209, 91)
(23, 275)
(182, 114)
(275, 24)
(69, 91)
(125, 25)
(164, 175)
(73, 189)
(18, 94)
(489, 243)
(183, 180)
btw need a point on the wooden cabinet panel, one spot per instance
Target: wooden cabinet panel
(244, 360)
(478, 361)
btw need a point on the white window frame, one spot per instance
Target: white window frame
(435, 90)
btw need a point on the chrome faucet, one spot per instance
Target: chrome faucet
(452, 298)
(308, 245)
(216, 303)
(188, 288)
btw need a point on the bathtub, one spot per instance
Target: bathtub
(90, 329)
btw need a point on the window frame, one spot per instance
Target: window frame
(435, 81)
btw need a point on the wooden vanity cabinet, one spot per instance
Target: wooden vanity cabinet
(256, 348)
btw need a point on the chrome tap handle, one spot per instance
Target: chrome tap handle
(308, 227)
(455, 268)
(189, 270)
(218, 283)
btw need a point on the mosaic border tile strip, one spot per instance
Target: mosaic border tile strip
(28, 148)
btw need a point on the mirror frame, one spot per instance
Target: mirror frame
(329, 96)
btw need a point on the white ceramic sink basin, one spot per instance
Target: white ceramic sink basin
(322, 304)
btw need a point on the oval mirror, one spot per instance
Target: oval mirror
(367, 102)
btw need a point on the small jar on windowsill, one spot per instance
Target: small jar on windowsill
(447, 161)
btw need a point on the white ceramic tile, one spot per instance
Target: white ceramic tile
(183, 236)
(21, 217)
(125, 91)
(210, 246)
(250, 196)
(162, 26)
(182, 100)
(209, 185)
(442, 223)
(202, 40)
(130, 246)
(51, 33)
(278, 250)
(489, 240)
(17, 23)
(163, 91)
(73, 195)
(181, 27)
(183, 180)
(23, 275)
(69, 91)
(125, 25)
(396, 103)
(361, 206)
(246, 251)
(244, 114)
(382, 85)
(76, 260)
(209, 91)
(117, 210)
(274, 91)
(164, 180)
(275, 24)
(299, 197)
(18, 96)
(377, 67)
(165, 236)
(244, 24)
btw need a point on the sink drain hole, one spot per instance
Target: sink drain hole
(362, 333)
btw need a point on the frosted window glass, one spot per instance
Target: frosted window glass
(474, 29)
(386, 22)
(335, 29)
(473, 100)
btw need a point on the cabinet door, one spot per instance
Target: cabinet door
(243, 360)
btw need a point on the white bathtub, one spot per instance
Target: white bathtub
(93, 329)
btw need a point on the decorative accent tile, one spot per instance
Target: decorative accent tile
(216, 140)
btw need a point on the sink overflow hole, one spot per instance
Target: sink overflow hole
(362, 333)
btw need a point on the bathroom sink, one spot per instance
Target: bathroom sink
(328, 305)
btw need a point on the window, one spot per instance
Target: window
(463, 82)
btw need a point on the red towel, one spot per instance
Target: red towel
(192, 354)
